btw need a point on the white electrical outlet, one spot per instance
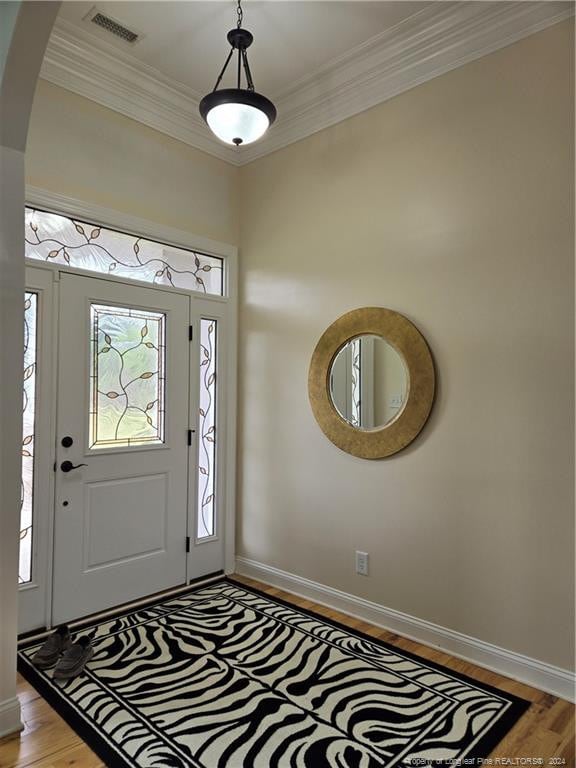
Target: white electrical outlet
(362, 563)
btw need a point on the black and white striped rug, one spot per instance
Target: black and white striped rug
(227, 677)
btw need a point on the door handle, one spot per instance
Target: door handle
(67, 466)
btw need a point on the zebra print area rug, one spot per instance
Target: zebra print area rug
(227, 677)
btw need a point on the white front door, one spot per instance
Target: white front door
(121, 501)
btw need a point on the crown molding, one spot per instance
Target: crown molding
(84, 64)
(442, 37)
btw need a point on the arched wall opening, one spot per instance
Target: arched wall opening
(24, 31)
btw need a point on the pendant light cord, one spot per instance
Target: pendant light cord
(242, 59)
(220, 76)
(240, 15)
(247, 72)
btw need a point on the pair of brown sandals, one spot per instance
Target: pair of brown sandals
(68, 658)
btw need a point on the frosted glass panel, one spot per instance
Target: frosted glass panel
(207, 446)
(127, 377)
(61, 240)
(28, 420)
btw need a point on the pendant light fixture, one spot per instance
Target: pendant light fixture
(238, 115)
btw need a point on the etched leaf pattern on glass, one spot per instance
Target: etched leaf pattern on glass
(127, 377)
(207, 423)
(61, 240)
(28, 439)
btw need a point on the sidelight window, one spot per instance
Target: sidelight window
(207, 424)
(28, 442)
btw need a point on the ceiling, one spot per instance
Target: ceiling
(319, 61)
(186, 41)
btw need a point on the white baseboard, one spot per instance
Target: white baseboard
(555, 680)
(10, 721)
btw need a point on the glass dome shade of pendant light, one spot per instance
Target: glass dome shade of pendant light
(237, 116)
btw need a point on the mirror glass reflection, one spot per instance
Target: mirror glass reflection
(368, 382)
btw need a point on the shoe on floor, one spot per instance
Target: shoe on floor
(74, 659)
(52, 648)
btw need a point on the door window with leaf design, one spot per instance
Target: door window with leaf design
(127, 377)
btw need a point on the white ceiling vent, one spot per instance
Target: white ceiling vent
(112, 26)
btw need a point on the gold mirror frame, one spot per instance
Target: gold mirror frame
(407, 340)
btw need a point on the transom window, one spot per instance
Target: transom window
(69, 242)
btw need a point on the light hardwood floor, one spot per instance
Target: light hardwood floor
(546, 731)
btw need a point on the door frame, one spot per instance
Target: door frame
(223, 308)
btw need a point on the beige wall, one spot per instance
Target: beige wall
(80, 149)
(450, 203)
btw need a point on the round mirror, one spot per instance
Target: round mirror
(368, 382)
(371, 382)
